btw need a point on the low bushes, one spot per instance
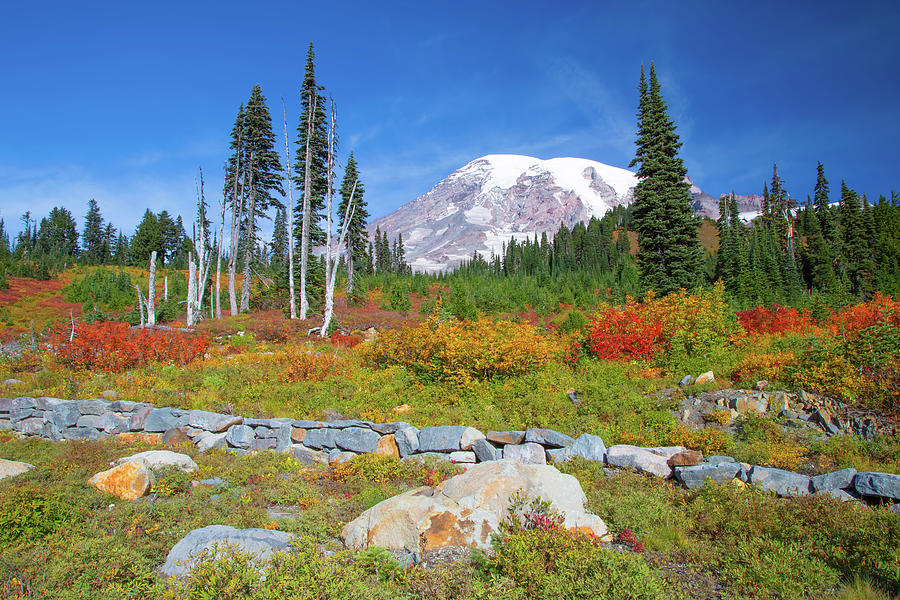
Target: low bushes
(465, 352)
(111, 346)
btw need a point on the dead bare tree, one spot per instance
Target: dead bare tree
(250, 237)
(292, 298)
(333, 256)
(151, 292)
(304, 228)
(219, 246)
(237, 216)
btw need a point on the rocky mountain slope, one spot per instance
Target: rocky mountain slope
(498, 197)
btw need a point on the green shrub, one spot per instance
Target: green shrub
(32, 513)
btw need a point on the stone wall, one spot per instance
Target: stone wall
(338, 441)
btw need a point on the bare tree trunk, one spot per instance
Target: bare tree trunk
(350, 268)
(191, 292)
(333, 260)
(292, 297)
(304, 230)
(251, 246)
(151, 292)
(140, 304)
(237, 214)
(202, 255)
(166, 288)
(220, 245)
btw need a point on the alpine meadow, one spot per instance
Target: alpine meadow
(524, 304)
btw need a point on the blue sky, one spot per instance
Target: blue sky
(123, 101)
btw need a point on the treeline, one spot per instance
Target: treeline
(820, 252)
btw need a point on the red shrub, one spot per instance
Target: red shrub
(775, 319)
(622, 333)
(850, 320)
(342, 339)
(115, 346)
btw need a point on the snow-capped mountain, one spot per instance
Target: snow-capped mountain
(498, 197)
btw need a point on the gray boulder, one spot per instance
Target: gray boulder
(696, 476)
(22, 402)
(308, 457)
(357, 439)
(784, 483)
(138, 417)
(163, 419)
(407, 439)
(878, 484)
(210, 421)
(46, 403)
(264, 432)
(558, 455)
(838, 494)
(549, 438)
(20, 414)
(389, 428)
(444, 438)
(337, 457)
(81, 433)
(283, 439)
(65, 414)
(505, 437)
(837, 480)
(111, 423)
(262, 444)
(211, 441)
(589, 447)
(215, 538)
(94, 406)
(639, 459)
(318, 439)
(240, 436)
(485, 451)
(123, 406)
(88, 421)
(32, 426)
(529, 453)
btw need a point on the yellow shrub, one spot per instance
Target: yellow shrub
(765, 365)
(834, 376)
(707, 440)
(722, 417)
(464, 352)
(307, 365)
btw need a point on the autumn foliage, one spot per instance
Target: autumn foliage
(775, 319)
(465, 352)
(110, 346)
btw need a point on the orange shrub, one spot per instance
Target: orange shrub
(115, 346)
(307, 365)
(464, 352)
(765, 365)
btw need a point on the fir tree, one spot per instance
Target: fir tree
(92, 236)
(57, 235)
(670, 256)
(147, 237)
(356, 231)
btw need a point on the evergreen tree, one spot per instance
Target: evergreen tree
(263, 175)
(311, 95)
(5, 250)
(670, 256)
(92, 237)
(822, 202)
(57, 235)
(147, 237)
(356, 231)
(121, 255)
(109, 242)
(279, 246)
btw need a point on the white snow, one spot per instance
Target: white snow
(504, 170)
(418, 234)
(478, 215)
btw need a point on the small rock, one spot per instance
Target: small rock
(589, 447)
(444, 438)
(87, 421)
(549, 438)
(259, 542)
(407, 440)
(139, 417)
(283, 439)
(81, 433)
(878, 484)
(832, 481)
(109, 395)
(131, 437)
(111, 423)
(358, 439)
(174, 436)
(297, 435)
(128, 481)
(210, 421)
(336, 457)
(157, 459)
(95, 406)
(159, 420)
(240, 436)
(686, 381)
(462, 456)
(469, 437)
(389, 428)
(705, 377)
(780, 403)
(485, 451)
(760, 385)
(506, 437)
(212, 441)
(558, 455)
(784, 483)
(687, 458)
(320, 438)
(717, 458)
(529, 453)
(12, 382)
(387, 446)
(11, 468)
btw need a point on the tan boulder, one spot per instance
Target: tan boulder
(686, 458)
(705, 378)
(387, 446)
(11, 468)
(128, 481)
(298, 435)
(466, 509)
(158, 459)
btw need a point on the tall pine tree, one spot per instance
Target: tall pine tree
(670, 256)
(356, 231)
(92, 236)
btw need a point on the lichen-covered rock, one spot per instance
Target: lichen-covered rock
(240, 436)
(784, 483)
(838, 480)
(259, 542)
(357, 439)
(128, 481)
(387, 446)
(210, 421)
(693, 477)
(884, 485)
(588, 447)
(466, 509)
(549, 438)
(506, 437)
(639, 459)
